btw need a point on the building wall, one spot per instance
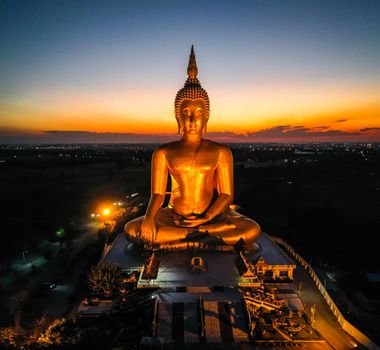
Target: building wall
(276, 269)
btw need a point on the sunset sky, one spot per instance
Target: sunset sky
(275, 71)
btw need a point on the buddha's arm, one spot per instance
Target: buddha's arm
(158, 182)
(225, 183)
(158, 189)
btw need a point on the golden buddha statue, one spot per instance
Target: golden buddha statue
(202, 189)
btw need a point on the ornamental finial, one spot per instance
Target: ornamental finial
(192, 69)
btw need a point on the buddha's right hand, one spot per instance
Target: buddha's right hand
(148, 230)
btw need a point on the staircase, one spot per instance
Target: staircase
(224, 322)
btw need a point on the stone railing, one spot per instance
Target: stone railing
(347, 326)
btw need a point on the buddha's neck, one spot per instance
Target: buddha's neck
(192, 138)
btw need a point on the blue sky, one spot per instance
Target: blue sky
(127, 52)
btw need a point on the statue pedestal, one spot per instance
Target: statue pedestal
(175, 269)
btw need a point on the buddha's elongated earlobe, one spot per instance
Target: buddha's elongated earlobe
(180, 127)
(205, 128)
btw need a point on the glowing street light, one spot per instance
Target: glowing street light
(106, 212)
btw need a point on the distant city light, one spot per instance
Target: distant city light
(92, 215)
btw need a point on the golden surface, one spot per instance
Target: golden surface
(201, 173)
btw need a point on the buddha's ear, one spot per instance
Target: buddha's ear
(180, 127)
(205, 128)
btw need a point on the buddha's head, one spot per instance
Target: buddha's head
(192, 105)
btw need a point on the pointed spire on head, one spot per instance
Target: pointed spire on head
(192, 90)
(192, 69)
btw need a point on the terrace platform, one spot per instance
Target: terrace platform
(205, 305)
(175, 269)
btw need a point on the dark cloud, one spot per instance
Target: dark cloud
(59, 136)
(288, 131)
(108, 137)
(223, 134)
(280, 133)
(340, 120)
(369, 129)
(226, 136)
(269, 133)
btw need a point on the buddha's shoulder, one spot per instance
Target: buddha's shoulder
(168, 146)
(215, 146)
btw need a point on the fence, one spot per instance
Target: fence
(347, 326)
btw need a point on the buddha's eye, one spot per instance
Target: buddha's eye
(186, 112)
(199, 112)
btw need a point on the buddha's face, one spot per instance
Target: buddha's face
(193, 116)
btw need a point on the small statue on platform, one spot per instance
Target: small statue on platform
(202, 188)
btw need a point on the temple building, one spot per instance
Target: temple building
(254, 274)
(272, 271)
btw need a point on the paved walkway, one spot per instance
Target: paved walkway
(325, 321)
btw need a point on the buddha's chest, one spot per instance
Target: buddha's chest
(186, 162)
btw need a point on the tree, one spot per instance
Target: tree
(53, 333)
(104, 278)
(39, 327)
(8, 337)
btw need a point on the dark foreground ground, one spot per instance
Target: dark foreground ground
(323, 199)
